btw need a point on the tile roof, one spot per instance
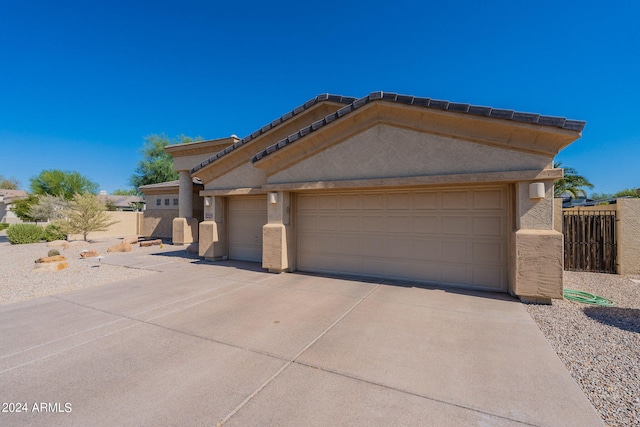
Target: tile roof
(168, 184)
(516, 116)
(310, 103)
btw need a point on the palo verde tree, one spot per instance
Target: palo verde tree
(156, 165)
(56, 182)
(572, 183)
(85, 214)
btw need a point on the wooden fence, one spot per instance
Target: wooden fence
(590, 241)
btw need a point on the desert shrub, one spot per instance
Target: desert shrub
(53, 252)
(52, 232)
(25, 233)
(3, 225)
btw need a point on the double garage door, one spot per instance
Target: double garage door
(450, 237)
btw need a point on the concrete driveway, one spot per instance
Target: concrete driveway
(204, 344)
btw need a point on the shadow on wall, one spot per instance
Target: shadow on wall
(627, 319)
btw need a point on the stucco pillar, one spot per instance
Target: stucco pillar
(537, 261)
(185, 195)
(212, 245)
(277, 247)
(185, 227)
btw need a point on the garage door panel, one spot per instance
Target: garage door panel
(427, 224)
(486, 276)
(489, 253)
(488, 226)
(400, 224)
(456, 237)
(488, 199)
(455, 225)
(455, 200)
(426, 200)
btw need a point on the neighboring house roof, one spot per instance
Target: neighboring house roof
(121, 201)
(282, 119)
(7, 195)
(476, 110)
(168, 184)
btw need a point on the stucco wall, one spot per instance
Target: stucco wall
(158, 222)
(245, 176)
(628, 236)
(129, 224)
(385, 151)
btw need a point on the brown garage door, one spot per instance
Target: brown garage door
(247, 215)
(452, 237)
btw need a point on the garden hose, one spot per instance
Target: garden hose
(587, 298)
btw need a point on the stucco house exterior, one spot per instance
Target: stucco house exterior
(387, 185)
(6, 199)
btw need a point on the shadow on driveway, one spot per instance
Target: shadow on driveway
(627, 319)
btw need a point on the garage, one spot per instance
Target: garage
(455, 237)
(246, 216)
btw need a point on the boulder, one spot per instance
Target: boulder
(50, 266)
(130, 239)
(50, 259)
(146, 243)
(193, 248)
(58, 244)
(120, 247)
(89, 254)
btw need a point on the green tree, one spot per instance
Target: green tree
(627, 192)
(571, 183)
(22, 207)
(48, 208)
(62, 184)
(156, 165)
(85, 214)
(9, 183)
(125, 192)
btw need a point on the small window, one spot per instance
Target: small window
(175, 202)
(166, 202)
(158, 202)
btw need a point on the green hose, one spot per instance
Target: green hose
(587, 298)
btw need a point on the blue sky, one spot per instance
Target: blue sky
(82, 83)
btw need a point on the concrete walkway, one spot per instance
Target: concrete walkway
(203, 344)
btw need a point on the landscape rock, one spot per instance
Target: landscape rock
(130, 239)
(58, 244)
(193, 248)
(50, 266)
(121, 247)
(50, 259)
(146, 243)
(89, 254)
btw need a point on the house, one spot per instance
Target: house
(387, 185)
(6, 199)
(121, 203)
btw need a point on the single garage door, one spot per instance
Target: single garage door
(452, 237)
(246, 216)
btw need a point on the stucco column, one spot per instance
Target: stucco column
(212, 232)
(185, 227)
(537, 263)
(277, 246)
(185, 195)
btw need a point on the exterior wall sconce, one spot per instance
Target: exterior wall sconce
(273, 198)
(536, 190)
(207, 201)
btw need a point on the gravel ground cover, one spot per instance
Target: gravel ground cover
(599, 345)
(18, 280)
